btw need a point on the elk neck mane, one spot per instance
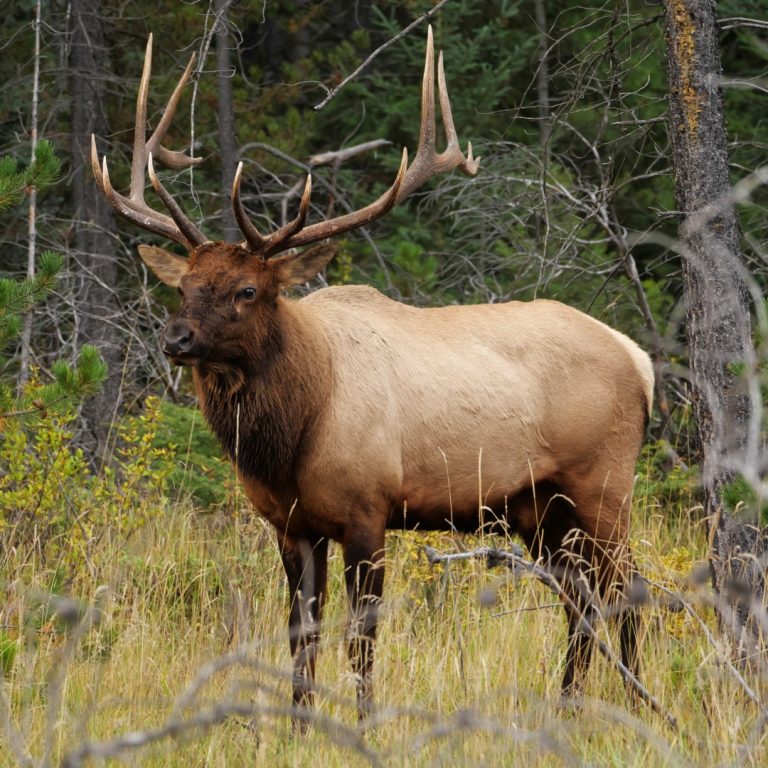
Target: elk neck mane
(261, 409)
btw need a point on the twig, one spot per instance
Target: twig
(742, 21)
(514, 560)
(526, 609)
(469, 720)
(217, 714)
(428, 15)
(340, 155)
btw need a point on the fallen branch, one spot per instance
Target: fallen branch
(515, 561)
(215, 715)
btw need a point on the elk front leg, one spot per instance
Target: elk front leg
(306, 566)
(364, 576)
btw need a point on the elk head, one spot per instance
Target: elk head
(229, 290)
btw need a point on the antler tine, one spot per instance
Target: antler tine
(428, 162)
(139, 214)
(175, 160)
(139, 158)
(276, 239)
(324, 229)
(143, 146)
(177, 227)
(427, 129)
(188, 229)
(468, 164)
(252, 235)
(95, 166)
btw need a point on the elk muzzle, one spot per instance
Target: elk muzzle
(179, 341)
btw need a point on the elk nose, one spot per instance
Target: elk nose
(177, 339)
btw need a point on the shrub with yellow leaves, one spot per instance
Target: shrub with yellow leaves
(53, 505)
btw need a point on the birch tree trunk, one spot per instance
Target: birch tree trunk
(717, 301)
(26, 333)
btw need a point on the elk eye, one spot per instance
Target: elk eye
(248, 293)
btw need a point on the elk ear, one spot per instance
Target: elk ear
(297, 268)
(166, 265)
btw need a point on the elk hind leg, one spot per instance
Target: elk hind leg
(617, 581)
(570, 565)
(549, 518)
(633, 596)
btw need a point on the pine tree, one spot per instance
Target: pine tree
(14, 182)
(70, 383)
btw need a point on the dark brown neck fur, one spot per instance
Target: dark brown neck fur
(261, 410)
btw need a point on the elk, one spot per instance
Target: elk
(346, 413)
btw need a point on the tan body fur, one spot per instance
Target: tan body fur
(434, 414)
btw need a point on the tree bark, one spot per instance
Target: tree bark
(717, 300)
(226, 120)
(95, 265)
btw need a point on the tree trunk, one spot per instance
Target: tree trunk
(717, 300)
(26, 333)
(226, 119)
(542, 75)
(95, 265)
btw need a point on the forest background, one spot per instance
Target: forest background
(575, 201)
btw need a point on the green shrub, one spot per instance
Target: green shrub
(189, 456)
(663, 479)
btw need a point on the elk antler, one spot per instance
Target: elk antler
(258, 242)
(177, 226)
(426, 164)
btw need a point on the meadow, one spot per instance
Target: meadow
(163, 642)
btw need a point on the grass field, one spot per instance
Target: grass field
(169, 649)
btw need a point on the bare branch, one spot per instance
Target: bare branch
(424, 17)
(341, 155)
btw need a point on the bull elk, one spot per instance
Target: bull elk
(346, 413)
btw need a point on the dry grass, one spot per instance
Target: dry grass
(457, 683)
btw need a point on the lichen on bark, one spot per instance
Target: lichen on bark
(683, 48)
